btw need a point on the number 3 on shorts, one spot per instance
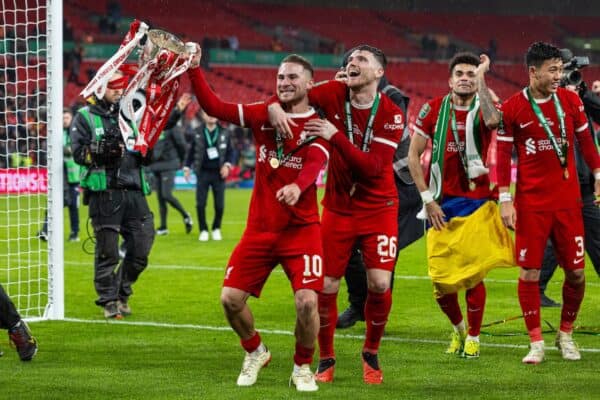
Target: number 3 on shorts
(313, 265)
(580, 246)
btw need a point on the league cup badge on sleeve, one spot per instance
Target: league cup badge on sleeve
(150, 95)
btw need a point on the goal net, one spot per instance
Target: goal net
(31, 256)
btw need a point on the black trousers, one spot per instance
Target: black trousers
(410, 229)
(165, 181)
(210, 179)
(70, 200)
(73, 204)
(9, 316)
(112, 213)
(591, 225)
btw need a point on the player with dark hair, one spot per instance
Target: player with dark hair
(542, 122)
(410, 228)
(283, 219)
(459, 186)
(361, 201)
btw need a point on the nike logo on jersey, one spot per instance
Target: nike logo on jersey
(526, 124)
(307, 281)
(336, 116)
(578, 260)
(266, 128)
(385, 259)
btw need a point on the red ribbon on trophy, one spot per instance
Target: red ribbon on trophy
(163, 58)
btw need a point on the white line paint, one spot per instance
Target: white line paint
(222, 269)
(290, 333)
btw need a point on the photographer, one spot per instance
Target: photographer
(573, 80)
(115, 190)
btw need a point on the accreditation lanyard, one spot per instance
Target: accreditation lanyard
(368, 135)
(210, 141)
(561, 151)
(454, 128)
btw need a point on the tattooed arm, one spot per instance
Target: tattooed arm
(491, 115)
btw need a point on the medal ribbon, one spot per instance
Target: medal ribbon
(368, 135)
(560, 152)
(284, 157)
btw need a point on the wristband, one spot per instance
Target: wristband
(426, 196)
(597, 176)
(504, 197)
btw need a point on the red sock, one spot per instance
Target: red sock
(303, 355)
(377, 309)
(529, 298)
(251, 344)
(475, 306)
(449, 305)
(328, 317)
(572, 298)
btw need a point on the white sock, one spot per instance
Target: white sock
(473, 338)
(260, 349)
(460, 327)
(296, 368)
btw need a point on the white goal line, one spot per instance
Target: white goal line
(279, 270)
(290, 333)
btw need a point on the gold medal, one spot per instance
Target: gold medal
(274, 163)
(472, 186)
(565, 174)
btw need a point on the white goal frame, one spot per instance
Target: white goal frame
(55, 308)
(32, 271)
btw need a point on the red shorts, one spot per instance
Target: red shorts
(375, 232)
(297, 249)
(564, 227)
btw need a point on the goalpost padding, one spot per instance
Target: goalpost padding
(31, 270)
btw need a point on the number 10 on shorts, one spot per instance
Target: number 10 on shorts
(313, 265)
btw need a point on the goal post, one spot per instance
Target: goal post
(31, 160)
(54, 43)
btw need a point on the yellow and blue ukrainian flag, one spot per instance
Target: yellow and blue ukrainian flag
(473, 242)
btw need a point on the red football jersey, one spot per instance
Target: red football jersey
(541, 184)
(358, 180)
(454, 180)
(266, 213)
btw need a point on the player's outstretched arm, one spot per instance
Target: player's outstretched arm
(491, 115)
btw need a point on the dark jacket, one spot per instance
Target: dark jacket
(197, 152)
(401, 155)
(591, 104)
(169, 150)
(122, 173)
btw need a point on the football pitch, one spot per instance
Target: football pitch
(178, 345)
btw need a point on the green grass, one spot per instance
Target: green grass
(177, 344)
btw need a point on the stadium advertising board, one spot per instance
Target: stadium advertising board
(23, 181)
